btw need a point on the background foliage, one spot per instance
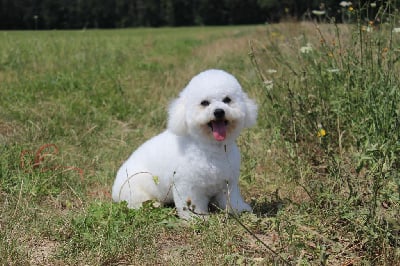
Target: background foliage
(78, 14)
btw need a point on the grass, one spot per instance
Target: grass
(329, 199)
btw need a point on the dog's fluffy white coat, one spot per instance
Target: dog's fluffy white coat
(195, 161)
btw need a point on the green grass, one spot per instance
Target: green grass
(98, 94)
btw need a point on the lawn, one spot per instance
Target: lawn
(320, 168)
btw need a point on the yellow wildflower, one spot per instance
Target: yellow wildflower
(321, 133)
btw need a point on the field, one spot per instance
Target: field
(321, 168)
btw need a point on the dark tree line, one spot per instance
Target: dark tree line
(78, 14)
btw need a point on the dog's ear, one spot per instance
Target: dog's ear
(251, 112)
(176, 117)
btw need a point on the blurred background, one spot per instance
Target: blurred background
(81, 14)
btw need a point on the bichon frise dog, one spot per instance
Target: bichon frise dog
(195, 161)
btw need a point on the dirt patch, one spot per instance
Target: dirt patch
(100, 192)
(43, 251)
(175, 247)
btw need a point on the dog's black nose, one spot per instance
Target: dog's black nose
(219, 113)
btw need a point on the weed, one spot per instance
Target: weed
(336, 106)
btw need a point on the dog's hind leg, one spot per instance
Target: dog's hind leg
(135, 189)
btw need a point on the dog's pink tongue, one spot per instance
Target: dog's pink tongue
(219, 130)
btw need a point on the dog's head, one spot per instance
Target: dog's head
(212, 107)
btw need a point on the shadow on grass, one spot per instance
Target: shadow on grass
(268, 207)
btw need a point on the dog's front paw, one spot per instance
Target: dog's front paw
(191, 214)
(241, 207)
(190, 210)
(246, 208)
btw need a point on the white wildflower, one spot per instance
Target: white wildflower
(306, 49)
(271, 71)
(396, 30)
(318, 12)
(345, 4)
(333, 70)
(269, 84)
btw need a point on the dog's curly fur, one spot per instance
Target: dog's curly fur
(195, 161)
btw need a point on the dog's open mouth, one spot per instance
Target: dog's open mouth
(218, 128)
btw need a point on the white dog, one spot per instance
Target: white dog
(195, 161)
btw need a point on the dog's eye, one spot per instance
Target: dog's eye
(227, 100)
(205, 103)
